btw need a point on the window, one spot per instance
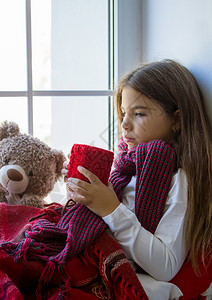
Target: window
(58, 60)
(56, 70)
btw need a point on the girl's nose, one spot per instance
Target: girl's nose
(126, 124)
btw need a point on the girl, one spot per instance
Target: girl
(160, 211)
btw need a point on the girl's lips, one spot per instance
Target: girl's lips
(129, 140)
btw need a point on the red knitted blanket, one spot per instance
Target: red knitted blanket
(54, 243)
(101, 271)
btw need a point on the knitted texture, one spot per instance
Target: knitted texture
(153, 165)
(96, 160)
(100, 271)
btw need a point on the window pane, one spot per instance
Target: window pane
(41, 44)
(63, 121)
(70, 44)
(14, 109)
(12, 45)
(42, 117)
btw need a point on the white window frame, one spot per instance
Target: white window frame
(124, 52)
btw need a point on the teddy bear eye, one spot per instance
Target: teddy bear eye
(7, 160)
(30, 173)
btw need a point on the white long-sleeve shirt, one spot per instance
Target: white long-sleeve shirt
(160, 254)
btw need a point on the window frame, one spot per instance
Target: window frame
(122, 15)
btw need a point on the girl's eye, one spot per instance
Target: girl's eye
(123, 114)
(139, 114)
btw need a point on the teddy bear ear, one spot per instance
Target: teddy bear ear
(59, 158)
(8, 129)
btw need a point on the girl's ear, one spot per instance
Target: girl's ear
(176, 124)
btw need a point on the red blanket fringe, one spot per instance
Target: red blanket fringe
(101, 271)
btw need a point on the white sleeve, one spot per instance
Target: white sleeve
(160, 254)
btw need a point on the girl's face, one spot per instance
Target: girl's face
(144, 120)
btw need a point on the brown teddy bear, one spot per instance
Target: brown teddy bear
(28, 167)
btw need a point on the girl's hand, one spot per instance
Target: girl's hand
(98, 197)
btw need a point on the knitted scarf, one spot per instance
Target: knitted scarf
(152, 163)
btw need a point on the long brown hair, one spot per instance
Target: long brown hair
(175, 88)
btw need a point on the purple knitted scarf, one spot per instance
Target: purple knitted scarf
(152, 163)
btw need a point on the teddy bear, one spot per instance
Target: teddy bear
(29, 168)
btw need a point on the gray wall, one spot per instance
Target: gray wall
(181, 30)
(149, 30)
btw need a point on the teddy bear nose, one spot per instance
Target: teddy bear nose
(14, 175)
